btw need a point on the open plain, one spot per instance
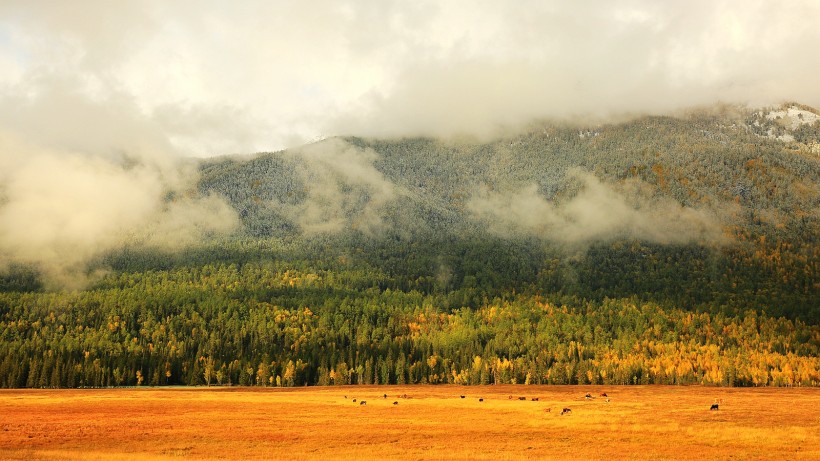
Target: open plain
(412, 422)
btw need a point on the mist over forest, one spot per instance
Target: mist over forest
(439, 192)
(654, 250)
(729, 182)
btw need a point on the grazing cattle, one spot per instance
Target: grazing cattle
(566, 411)
(534, 399)
(510, 397)
(395, 403)
(362, 403)
(588, 396)
(713, 407)
(522, 398)
(354, 400)
(345, 396)
(548, 410)
(603, 394)
(607, 400)
(462, 396)
(480, 400)
(385, 395)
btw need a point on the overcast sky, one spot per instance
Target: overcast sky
(201, 78)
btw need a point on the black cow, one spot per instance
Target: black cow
(604, 394)
(354, 400)
(566, 411)
(362, 403)
(588, 396)
(522, 398)
(385, 395)
(395, 403)
(713, 407)
(462, 396)
(534, 399)
(480, 400)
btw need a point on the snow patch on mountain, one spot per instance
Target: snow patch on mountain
(780, 122)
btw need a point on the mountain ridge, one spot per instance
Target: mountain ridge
(659, 250)
(707, 180)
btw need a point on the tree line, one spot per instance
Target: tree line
(268, 324)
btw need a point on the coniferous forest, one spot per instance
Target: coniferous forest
(660, 250)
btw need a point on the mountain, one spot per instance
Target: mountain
(656, 249)
(718, 206)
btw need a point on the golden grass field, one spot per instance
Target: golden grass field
(433, 422)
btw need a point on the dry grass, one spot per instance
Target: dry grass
(654, 422)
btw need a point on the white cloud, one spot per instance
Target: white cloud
(343, 188)
(597, 212)
(285, 72)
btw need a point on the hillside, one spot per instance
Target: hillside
(709, 208)
(654, 250)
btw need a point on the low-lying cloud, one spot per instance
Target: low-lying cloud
(344, 189)
(72, 188)
(597, 212)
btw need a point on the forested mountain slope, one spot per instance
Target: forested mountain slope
(654, 250)
(702, 209)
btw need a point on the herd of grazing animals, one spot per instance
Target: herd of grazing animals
(564, 411)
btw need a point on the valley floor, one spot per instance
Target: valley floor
(411, 422)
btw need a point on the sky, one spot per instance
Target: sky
(102, 101)
(210, 77)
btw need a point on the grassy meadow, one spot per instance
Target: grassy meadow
(427, 422)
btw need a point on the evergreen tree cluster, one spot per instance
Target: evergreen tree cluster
(268, 325)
